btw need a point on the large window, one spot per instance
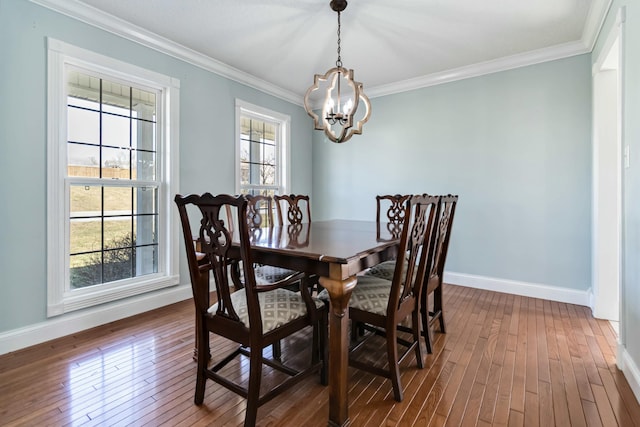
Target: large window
(261, 154)
(110, 146)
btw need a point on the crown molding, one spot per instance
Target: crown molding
(482, 68)
(595, 20)
(97, 18)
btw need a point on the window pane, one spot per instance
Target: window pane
(83, 126)
(85, 271)
(85, 235)
(82, 89)
(115, 131)
(118, 264)
(146, 260)
(85, 200)
(144, 165)
(268, 175)
(115, 163)
(146, 229)
(116, 98)
(83, 160)
(269, 154)
(244, 150)
(144, 135)
(145, 200)
(117, 201)
(144, 99)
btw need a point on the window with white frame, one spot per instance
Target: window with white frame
(261, 153)
(112, 164)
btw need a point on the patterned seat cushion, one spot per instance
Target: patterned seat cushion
(385, 270)
(277, 307)
(268, 274)
(370, 294)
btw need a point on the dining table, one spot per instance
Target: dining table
(336, 251)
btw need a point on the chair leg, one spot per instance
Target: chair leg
(415, 320)
(202, 362)
(394, 368)
(437, 307)
(324, 348)
(426, 329)
(276, 350)
(253, 392)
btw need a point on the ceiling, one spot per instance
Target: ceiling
(278, 45)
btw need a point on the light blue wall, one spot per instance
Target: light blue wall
(630, 335)
(207, 111)
(515, 146)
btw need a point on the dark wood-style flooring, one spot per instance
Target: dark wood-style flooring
(505, 361)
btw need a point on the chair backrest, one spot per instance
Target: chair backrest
(447, 209)
(415, 253)
(394, 215)
(215, 239)
(259, 211)
(298, 208)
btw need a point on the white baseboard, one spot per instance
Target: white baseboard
(534, 290)
(629, 369)
(60, 326)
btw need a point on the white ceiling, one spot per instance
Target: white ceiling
(392, 45)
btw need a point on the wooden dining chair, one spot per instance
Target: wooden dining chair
(295, 208)
(382, 305)
(254, 316)
(393, 218)
(432, 308)
(259, 215)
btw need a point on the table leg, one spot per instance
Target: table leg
(339, 293)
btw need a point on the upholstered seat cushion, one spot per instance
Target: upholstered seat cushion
(268, 274)
(385, 270)
(277, 307)
(370, 294)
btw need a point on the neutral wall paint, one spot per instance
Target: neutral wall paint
(207, 112)
(630, 292)
(515, 146)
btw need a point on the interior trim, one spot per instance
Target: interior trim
(81, 320)
(629, 369)
(117, 26)
(533, 290)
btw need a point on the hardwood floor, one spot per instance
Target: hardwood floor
(505, 361)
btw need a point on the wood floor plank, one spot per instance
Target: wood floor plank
(140, 372)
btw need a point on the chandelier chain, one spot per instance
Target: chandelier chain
(339, 61)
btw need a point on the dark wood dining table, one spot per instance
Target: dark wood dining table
(337, 251)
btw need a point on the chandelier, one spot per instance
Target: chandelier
(342, 97)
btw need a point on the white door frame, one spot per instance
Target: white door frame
(608, 164)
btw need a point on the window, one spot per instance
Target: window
(261, 153)
(111, 167)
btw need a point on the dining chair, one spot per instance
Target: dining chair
(432, 308)
(254, 316)
(259, 215)
(393, 218)
(382, 305)
(295, 208)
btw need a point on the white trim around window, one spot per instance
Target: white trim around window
(246, 109)
(60, 297)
